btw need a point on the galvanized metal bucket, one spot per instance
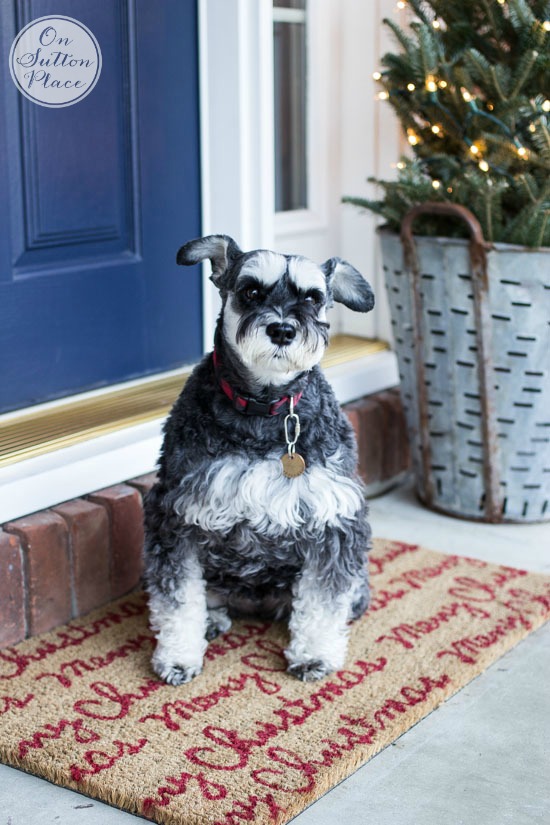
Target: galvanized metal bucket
(471, 323)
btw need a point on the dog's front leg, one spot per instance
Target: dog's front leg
(318, 627)
(179, 619)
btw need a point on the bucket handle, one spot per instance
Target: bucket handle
(480, 282)
(478, 244)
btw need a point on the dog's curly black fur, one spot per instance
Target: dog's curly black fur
(208, 557)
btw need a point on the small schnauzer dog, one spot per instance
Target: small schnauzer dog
(258, 510)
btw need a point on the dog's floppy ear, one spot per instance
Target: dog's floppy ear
(220, 249)
(348, 285)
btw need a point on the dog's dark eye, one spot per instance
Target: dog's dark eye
(313, 297)
(252, 293)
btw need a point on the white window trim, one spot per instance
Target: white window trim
(314, 218)
(235, 35)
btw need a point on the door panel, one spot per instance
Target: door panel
(100, 196)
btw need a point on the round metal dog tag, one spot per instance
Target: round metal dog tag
(293, 465)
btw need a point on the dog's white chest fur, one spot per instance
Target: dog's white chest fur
(235, 490)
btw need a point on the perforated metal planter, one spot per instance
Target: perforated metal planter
(471, 323)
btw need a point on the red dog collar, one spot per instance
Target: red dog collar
(247, 404)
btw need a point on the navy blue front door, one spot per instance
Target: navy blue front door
(95, 200)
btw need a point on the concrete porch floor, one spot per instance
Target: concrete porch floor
(483, 758)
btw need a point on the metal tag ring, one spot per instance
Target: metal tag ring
(296, 420)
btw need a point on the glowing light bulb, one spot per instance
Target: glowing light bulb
(442, 84)
(436, 24)
(502, 2)
(546, 106)
(431, 84)
(532, 128)
(546, 25)
(411, 87)
(413, 140)
(466, 94)
(436, 129)
(474, 149)
(401, 165)
(490, 107)
(376, 76)
(449, 189)
(401, 4)
(383, 95)
(483, 165)
(523, 153)
(436, 184)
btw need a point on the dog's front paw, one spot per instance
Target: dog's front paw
(175, 673)
(179, 675)
(309, 671)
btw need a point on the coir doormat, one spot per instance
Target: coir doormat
(245, 742)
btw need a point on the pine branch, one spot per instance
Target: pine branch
(470, 93)
(407, 43)
(497, 84)
(524, 71)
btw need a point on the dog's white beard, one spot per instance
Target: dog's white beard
(269, 363)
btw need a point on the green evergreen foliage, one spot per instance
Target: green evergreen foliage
(470, 85)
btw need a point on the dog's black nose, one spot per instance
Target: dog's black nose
(281, 333)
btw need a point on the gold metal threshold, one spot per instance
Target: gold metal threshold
(36, 432)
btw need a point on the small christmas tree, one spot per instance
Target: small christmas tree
(471, 87)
